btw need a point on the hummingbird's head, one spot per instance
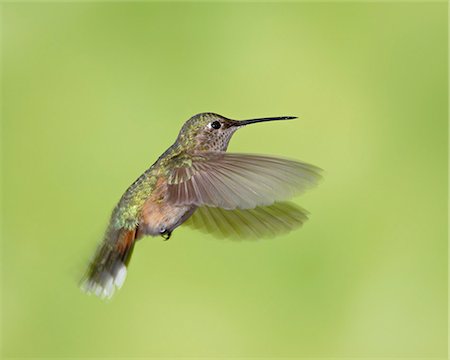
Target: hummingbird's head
(212, 132)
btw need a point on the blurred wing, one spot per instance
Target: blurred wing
(238, 181)
(266, 221)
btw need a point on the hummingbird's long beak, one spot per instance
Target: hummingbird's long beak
(253, 121)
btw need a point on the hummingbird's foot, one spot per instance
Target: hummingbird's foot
(166, 234)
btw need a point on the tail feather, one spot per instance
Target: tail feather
(109, 268)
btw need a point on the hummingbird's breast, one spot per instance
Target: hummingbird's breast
(145, 204)
(158, 216)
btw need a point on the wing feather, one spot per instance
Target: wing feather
(263, 221)
(238, 181)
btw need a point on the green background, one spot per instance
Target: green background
(94, 93)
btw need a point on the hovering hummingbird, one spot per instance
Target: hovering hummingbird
(196, 181)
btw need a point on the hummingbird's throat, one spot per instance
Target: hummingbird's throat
(215, 140)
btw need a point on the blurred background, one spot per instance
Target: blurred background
(94, 93)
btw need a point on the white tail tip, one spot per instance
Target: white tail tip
(105, 285)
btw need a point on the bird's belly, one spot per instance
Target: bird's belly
(157, 218)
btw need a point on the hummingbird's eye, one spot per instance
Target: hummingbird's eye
(216, 125)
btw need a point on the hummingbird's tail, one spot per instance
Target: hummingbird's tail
(109, 266)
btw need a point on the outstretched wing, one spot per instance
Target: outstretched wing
(237, 181)
(266, 221)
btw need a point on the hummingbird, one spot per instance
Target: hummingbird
(195, 181)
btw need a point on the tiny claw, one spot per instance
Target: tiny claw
(166, 235)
